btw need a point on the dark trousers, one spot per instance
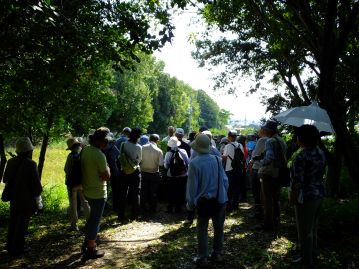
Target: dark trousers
(176, 192)
(233, 190)
(307, 218)
(271, 206)
(149, 188)
(18, 225)
(202, 233)
(115, 192)
(242, 176)
(129, 189)
(93, 222)
(256, 189)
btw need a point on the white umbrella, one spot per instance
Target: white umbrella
(312, 115)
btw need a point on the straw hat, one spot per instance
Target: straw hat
(71, 142)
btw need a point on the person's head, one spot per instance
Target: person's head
(224, 141)
(173, 142)
(171, 131)
(269, 128)
(202, 143)
(232, 135)
(144, 139)
(242, 140)
(208, 133)
(24, 147)
(135, 135)
(126, 131)
(307, 136)
(100, 137)
(73, 143)
(192, 136)
(202, 128)
(154, 138)
(252, 137)
(179, 133)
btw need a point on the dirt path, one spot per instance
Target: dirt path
(124, 244)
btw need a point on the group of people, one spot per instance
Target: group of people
(200, 173)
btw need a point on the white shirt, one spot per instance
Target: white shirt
(229, 152)
(259, 150)
(152, 158)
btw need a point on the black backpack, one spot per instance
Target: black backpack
(177, 165)
(74, 177)
(238, 159)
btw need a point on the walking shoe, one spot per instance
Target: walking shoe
(201, 262)
(93, 253)
(217, 258)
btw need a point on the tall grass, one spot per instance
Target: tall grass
(53, 178)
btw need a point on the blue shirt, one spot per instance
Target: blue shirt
(203, 180)
(275, 151)
(123, 138)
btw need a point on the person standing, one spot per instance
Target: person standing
(207, 182)
(176, 161)
(257, 154)
(111, 152)
(73, 182)
(23, 186)
(233, 176)
(152, 159)
(180, 134)
(96, 173)
(124, 136)
(130, 183)
(274, 158)
(307, 189)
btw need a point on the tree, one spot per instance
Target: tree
(294, 40)
(49, 48)
(209, 110)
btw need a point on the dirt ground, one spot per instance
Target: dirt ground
(164, 241)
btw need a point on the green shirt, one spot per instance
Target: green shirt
(93, 163)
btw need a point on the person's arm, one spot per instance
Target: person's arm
(297, 171)
(160, 158)
(269, 153)
(225, 153)
(192, 187)
(68, 164)
(105, 176)
(167, 159)
(184, 155)
(103, 168)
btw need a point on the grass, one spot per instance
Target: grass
(53, 179)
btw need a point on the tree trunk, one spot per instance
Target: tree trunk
(2, 156)
(335, 161)
(337, 115)
(45, 143)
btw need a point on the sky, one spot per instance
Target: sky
(180, 64)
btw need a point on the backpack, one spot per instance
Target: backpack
(238, 159)
(126, 164)
(74, 177)
(177, 165)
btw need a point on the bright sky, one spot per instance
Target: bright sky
(180, 64)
